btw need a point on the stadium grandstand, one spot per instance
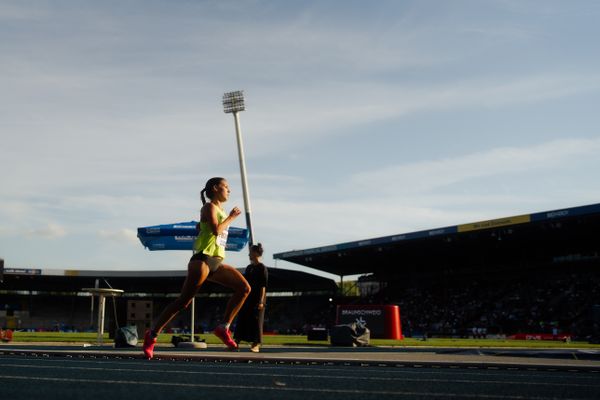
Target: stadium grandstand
(535, 274)
(54, 300)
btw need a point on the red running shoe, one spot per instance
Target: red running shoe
(225, 335)
(149, 342)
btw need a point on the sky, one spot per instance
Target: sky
(363, 119)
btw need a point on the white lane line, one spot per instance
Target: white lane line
(299, 376)
(279, 388)
(315, 368)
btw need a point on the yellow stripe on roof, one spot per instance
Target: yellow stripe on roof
(493, 223)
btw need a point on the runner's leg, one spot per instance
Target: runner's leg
(230, 277)
(197, 273)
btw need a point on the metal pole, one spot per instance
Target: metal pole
(97, 285)
(243, 173)
(101, 303)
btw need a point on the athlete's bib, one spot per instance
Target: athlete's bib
(222, 239)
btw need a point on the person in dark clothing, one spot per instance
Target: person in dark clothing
(251, 317)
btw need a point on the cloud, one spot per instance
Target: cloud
(312, 112)
(307, 77)
(423, 195)
(120, 235)
(50, 231)
(428, 175)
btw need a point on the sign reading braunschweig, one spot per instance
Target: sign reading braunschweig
(382, 320)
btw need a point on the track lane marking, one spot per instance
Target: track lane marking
(281, 388)
(394, 370)
(297, 376)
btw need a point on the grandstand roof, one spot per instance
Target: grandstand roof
(543, 238)
(52, 280)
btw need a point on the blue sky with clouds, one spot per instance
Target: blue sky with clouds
(363, 119)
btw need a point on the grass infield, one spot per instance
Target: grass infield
(299, 340)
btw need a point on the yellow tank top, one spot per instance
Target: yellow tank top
(208, 243)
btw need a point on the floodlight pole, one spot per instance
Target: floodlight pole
(233, 103)
(240, 145)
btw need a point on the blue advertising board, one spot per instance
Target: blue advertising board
(181, 236)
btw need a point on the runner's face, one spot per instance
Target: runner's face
(222, 191)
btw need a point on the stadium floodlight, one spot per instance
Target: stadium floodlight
(233, 103)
